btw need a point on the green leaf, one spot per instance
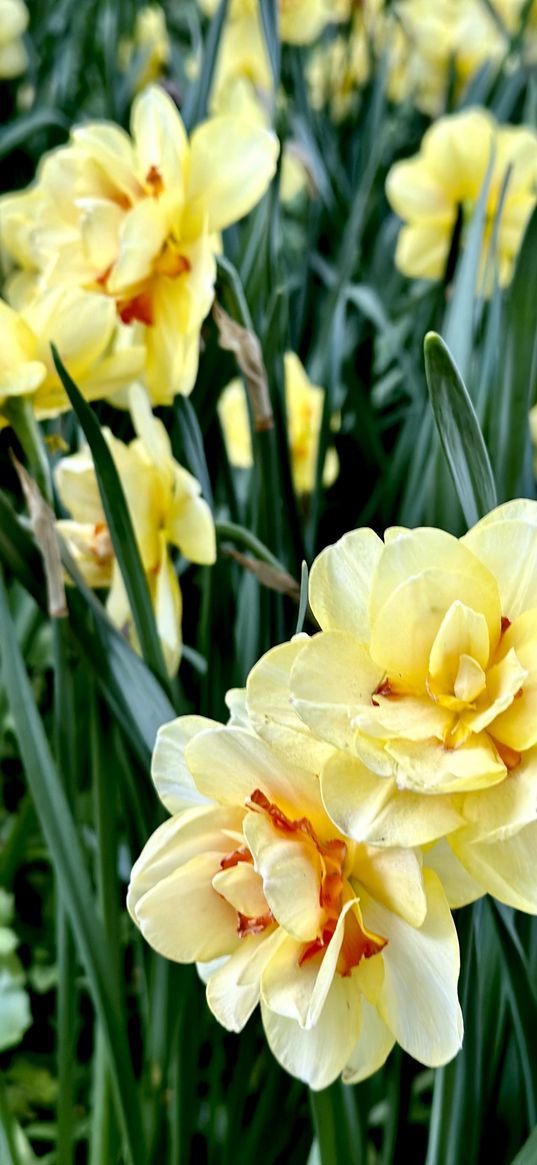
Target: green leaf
(18, 132)
(459, 431)
(528, 1152)
(337, 1125)
(195, 107)
(120, 526)
(514, 392)
(73, 883)
(519, 984)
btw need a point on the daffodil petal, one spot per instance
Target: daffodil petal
(331, 677)
(340, 583)
(272, 713)
(319, 1054)
(231, 165)
(506, 868)
(372, 1048)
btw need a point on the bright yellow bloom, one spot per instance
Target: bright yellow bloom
(304, 404)
(300, 21)
(137, 219)
(166, 510)
(347, 948)
(150, 44)
(338, 69)
(13, 23)
(21, 369)
(428, 191)
(424, 682)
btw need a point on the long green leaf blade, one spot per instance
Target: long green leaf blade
(459, 431)
(74, 886)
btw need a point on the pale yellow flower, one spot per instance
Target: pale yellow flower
(138, 220)
(428, 190)
(21, 369)
(150, 43)
(166, 510)
(338, 69)
(423, 681)
(346, 948)
(300, 21)
(13, 23)
(304, 404)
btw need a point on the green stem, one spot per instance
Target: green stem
(20, 414)
(337, 1125)
(243, 537)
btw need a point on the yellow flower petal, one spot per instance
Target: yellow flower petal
(172, 777)
(272, 713)
(332, 676)
(372, 1049)
(504, 868)
(340, 583)
(317, 1055)
(290, 868)
(231, 165)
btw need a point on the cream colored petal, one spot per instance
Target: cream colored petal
(272, 713)
(141, 238)
(500, 812)
(231, 165)
(76, 483)
(340, 583)
(506, 868)
(408, 553)
(331, 678)
(183, 918)
(416, 195)
(461, 632)
(506, 542)
(429, 767)
(418, 1000)
(231, 1000)
(190, 526)
(372, 1049)
(404, 630)
(291, 872)
(168, 611)
(106, 152)
(100, 225)
(233, 413)
(149, 429)
(504, 681)
(371, 809)
(412, 717)
(317, 1056)
(172, 357)
(300, 992)
(80, 323)
(82, 544)
(242, 887)
(460, 888)
(160, 138)
(393, 876)
(173, 780)
(228, 764)
(422, 251)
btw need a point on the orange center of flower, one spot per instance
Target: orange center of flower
(357, 944)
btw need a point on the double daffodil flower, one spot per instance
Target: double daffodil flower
(166, 510)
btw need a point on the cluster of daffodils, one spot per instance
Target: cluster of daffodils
(372, 776)
(426, 48)
(429, 191)
(166, 510)
(136, 220)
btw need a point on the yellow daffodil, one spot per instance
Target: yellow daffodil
(304, 403)
(347, 948)
(150, 44)
(21, 369)
(166, 510)
(138, 219)
(338, 69)
(424, 680)
(13, 23)
(300, 21)
(429, 190)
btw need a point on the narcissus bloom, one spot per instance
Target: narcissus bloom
(150, 45)
(138, 219)
(21, 369)
(300, 21)
(347, 948)
(424, 681)
(429, 190)
(304, 404)
(166, 510)
(13, 23)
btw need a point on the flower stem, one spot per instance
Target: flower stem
(337, 1125)
(20, 414)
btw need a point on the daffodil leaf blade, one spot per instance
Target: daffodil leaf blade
(515, 391)
(459, 431)
(522, 999)
(74, 887)
(195, 107)
(120, 526)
